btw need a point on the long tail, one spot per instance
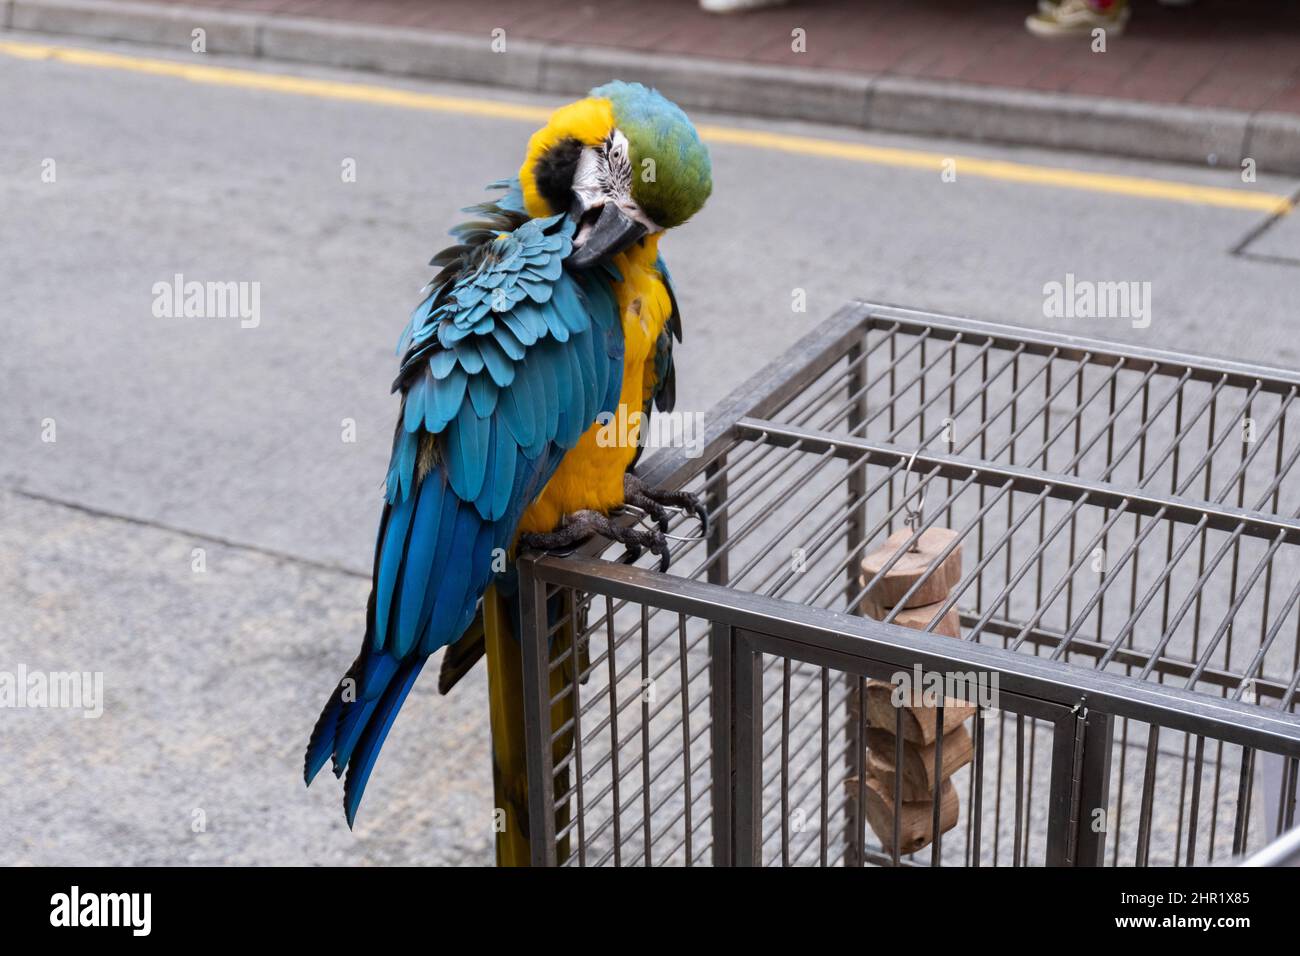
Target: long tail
(356, 720)
(432, 560)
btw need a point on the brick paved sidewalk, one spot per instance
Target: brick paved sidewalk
(1240, 54)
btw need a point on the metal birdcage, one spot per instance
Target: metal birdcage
(1129, 521)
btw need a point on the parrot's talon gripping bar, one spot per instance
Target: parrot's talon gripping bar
(648, 521)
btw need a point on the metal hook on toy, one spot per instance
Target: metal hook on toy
(914, 516)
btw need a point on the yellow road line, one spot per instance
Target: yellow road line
(1136, 186)
(278, 82)
(1139, 186)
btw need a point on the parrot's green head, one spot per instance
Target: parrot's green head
(625, 162)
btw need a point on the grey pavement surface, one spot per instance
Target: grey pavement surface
(210, 680)
(899, 103)
(204, 432)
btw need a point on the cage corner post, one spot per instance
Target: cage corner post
(747, 751)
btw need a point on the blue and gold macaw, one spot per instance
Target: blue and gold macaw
(553, 307)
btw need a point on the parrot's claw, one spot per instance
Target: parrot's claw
(659, 503)
(582, 525)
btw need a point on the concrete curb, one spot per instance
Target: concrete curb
(140, 22)
(896, 104)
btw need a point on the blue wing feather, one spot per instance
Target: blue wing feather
(392, 549)
(419, 558)
(451, 506)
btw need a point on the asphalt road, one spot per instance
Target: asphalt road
(174, 434)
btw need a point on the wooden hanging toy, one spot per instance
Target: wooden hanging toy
(896, 590)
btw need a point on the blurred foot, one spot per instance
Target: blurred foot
(1077, 17)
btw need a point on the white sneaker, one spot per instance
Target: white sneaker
(1077, 17)
(737, 6)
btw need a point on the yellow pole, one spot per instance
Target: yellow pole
(505, 709)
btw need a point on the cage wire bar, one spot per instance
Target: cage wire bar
(1129, 520)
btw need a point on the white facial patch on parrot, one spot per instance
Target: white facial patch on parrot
(604, 174)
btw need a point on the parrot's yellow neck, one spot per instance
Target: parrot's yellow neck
(589, 121)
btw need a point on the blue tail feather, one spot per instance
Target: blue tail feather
(350, 730)
(377, 727)
(321, 745)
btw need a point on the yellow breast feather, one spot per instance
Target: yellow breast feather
(591, 474)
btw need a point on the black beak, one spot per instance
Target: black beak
(613, 232)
